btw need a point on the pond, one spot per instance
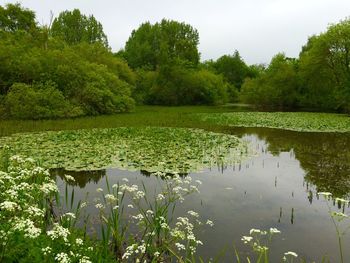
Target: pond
(275, 188)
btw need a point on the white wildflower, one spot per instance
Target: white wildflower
(99, 206)
(69, 214)
(79, 241)
(291, 253)
(253, 230)
(62, 258)
(85, 259)
(192, 213)
(58, 231)
(274, 230)
(9, 206)
(180, 246)
(138, 217)
(160, 197)
(210, 223)
(46, 251)
(110, 198)
(246, 239)
(49, 188)
(69, 178)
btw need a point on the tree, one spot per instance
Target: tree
(13, 18)
(325, 67)
(277, 86)
(233, 68)
(62, 80)
(167, 42)
(74, 27)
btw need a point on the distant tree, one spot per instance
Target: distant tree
(13, 17)
(325, 68)
(74, 27)
(233, 68)
(163, 43)
(277, 86)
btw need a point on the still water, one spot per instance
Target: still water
(276, 188)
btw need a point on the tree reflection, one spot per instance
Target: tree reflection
(82, 178)
(325, 157)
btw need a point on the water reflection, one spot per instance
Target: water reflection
(82, 178)
(325, 157)
(277, 188)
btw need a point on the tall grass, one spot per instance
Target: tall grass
(143, 116)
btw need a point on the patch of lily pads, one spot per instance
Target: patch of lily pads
(295, 121)
(150, 149)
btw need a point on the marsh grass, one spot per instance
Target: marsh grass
(211, 118)
(158, 116)
(340, 220)
(136, 226)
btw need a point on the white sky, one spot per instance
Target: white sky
(258, 29)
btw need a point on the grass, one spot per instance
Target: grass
(143, 116)
(205, 117)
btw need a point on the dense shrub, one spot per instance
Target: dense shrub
(87, 77)
(36, 101)
(176, 85)
(49, 76)
(276, 87)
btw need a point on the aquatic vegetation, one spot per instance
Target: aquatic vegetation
(340, 220)
(159, 236)
(296, 121)
(135, 226)
(259, 241)
(170, 150)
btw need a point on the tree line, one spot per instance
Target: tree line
(67, 69)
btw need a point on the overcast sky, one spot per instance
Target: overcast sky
(258, 29)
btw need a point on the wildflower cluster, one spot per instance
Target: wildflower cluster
(338, 219)
(259, 241)
(149, 224)
(24, 191)
(27, 221)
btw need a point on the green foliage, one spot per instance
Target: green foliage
(177, 85)
(144, 83)
(37, 101)
(89, 77)
(233, 68)
(296, 121)
(13, 18)
(165, 42)
(150, 149)
(325, 68)
(30, 229)
(277, 86)
(74, 27)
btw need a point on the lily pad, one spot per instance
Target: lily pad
(151, 149)
(295, 121)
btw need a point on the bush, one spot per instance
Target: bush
(88, 78)
(177, 85)
(276, 87)
(37, 101)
